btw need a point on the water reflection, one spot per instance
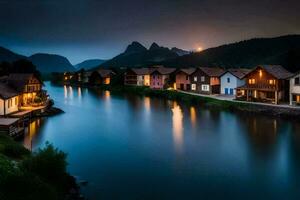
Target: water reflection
(79, 92)
(147, 104)
(65, 92)
(177, 119)
(31, 132)
(193, 116)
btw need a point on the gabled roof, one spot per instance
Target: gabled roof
(141, 71)
(212, 71)
(7, 92)
(18, 81)
(240, 73)
(187, 71)
(105, 72)
(164, 70)
(276, 70)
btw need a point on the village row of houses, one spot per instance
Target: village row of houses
(264, 83)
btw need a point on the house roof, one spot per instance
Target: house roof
(188, 71)
(212, 71)
(276, 70)
(240, 73)
(7, 92)
(141, 71)
(164, 70)
(105, 72)
(18, 81)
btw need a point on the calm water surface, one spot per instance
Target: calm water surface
(131, 147)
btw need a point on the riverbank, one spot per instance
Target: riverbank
(209, 101)
(34, 175)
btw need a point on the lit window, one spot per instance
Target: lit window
(193, 86)
(260, 73)
(195, 78)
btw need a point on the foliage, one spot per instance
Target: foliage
(40, 175)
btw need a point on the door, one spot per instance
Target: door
(188, 87)
(226, 91)
(181, 86)
(231, 91)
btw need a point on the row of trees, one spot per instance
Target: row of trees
(19, 66)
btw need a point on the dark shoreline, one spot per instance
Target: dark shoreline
(208, 102)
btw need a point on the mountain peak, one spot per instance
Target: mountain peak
(154, 46)
(135, 47)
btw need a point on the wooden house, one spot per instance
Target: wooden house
(265, 83)
(137, 77)
(183, 78)
(206, 80)
(231, 79)
(101, 77)
(161, 77)
(30, 88)
(295, 89)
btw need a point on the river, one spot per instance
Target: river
(131, 147)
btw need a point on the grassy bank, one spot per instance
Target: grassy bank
(33, 176)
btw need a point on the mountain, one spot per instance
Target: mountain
(284, 50)
(136, 55)
(9, 56)
(180, 52)
(89, 64)
(47, 63)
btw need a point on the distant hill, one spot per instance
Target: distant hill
(89, 64)
(9, 56)
(47, 63)
(284, 50)
(180, 52)
(136, 55)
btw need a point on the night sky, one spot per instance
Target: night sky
(84, 29)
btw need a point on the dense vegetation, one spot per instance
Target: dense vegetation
(19, 66)
(283, 50)
(33, 176)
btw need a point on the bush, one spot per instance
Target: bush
(15, 151)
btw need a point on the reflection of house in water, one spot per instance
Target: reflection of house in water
(177, 120)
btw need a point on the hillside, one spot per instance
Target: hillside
(284, 50)
(89, 64)
(137, 55)
(9, 56)
(47, 63)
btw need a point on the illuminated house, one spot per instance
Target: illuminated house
(206, 80)
(161, 78)
(183, 78)
(9, 100)
(21, 90)
(101, 76)
(137, 77)
(295, 89)
(232, 79)
(265, 83)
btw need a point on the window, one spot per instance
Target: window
(16, 101)
(195, 78)
(251, 81)
(205, 88)
(228, 80)
(143, 77)
(187, 78)
(202, 78)
(297, 81)
(272, 82)
(193, 86)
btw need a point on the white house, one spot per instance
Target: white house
(295, 89)
(9, 100)
(232, 79)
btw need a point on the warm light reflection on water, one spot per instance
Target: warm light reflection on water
(71, 92)
(107, 95)
(31, 132)
(147, 104)
(79, 92)
(65, 91)
(193, 116)
(177, 119)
